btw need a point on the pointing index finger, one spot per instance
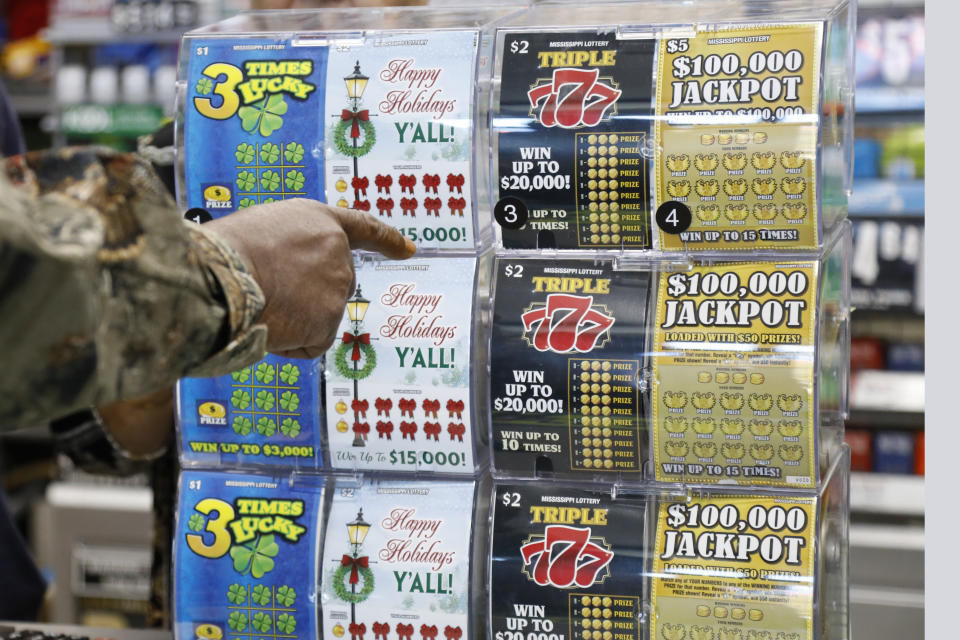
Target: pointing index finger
(366, 232)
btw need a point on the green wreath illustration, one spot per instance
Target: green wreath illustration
(340, 588)
(343, 145)
(345, 370)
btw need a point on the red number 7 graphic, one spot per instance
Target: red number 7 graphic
(573, 110)
(578, 328)
(566, 566)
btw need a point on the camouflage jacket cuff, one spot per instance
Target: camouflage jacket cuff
(247, 340)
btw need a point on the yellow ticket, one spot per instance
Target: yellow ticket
(733, 375)
(734, 568)
(737, 124)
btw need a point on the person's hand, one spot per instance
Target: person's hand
(141, 426)
(298, 251)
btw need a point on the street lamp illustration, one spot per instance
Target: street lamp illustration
(356, 84)
(358, 343)
(357, 532)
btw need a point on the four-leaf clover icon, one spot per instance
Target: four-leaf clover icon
(265, 373)
(245, 153)
(238, 621)
(269, 153)
(244, 203)
(286, 623)
(237, 593)
(286, 596)
(255, 557)
(204, 85)
(294, 180)
(261, 594)
(196, 522)
(289, 373)
(265, 400)
(246, 180)
(269, 180)
(266, 426)
(240, 399)
(290, 427)
(262, 622)
(263, 116)
(289, 401)
(242, 425)
(293, 152)
(241, 375)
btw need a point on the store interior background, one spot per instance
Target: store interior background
(103, 71)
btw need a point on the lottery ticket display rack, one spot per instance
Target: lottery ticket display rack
(606, 398)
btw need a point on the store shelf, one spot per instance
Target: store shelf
(885, 493)
(870, 100)
(884, 419)
(878, 197)
(887, 391)
(78, 31)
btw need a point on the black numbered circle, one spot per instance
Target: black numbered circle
(673, 217)
(198, 215)
(510, 213)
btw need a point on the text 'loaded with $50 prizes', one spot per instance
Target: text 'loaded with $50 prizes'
(399, 378)
(566, 366)
(566, 563)
(736, 137)
(396, 561)
(571, 125)
(245, 558)
(733, 375)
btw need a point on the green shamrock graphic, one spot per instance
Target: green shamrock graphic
(269, 200)
(242, 425)
(196, 522)
(294, 180)
(246, 180)
(289, 401)
(262, 622)
(286, 596)
(204, 85)
(265, 373)
(265, 400)
(290, 427)
(269, 153)
(242, 375)
(266, 426)
(289, 373)
(237, 593)
(255, 557)
(240, 399)
(261, 595)
(246, 202)
(237, 621)
(263, 116)
(293, 152)
(245, 153)
(269, 180)
(286, 623)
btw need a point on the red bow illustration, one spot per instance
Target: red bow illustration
(361, 429)
(432, 429)
(408, 429)
(407, 406)
(357, 630)
(431, 182)
(457, 205)
(430, 407)
(361, 205)
(355, 565)
(360, 406)
(383, 406)
(383, 183)
(455, 181)
(384, 428)
(356, 117)
(348, 338)
(380, 630)
(409, 205)
(360, 184)
(428, 633)
(404, 631)
(455, 408)
(453, 633)
(432, 205)
(456, 430)
(385, 205)
(407, 182)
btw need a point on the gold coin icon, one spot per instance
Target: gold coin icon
(602, 139)
(585, 431)
(604, 388)
(604, 217)
(602, 184)
(604, 206)
(594, 228)
(586, 601)
(613, 162)
(608, 453)
(615, 206)
(595, 238)
(591, 150)
(602, 173)
(605, 399)
(608, 463)
(723, 377)
(613, 184)
(756, 378)
(585, 612)
(602, 151)
(595, 387)
(742, 138)
(615, 238)
(607, 613)
(739, 378)
(592, 184)
(595, 376)
(605, 238)
(602, 195)
(343, 204)
(604, 228)
(607, 422)
(614, 138)
(607, 432)
(341, 407)
(588, 452)
(585, 410)
(720, 612)
(613, 150)
(342, 426)
(703, 611)
(592, 206)
(707, 139)
(595, 442)
(588, 463)
(594, 217)
(592, 195)
(595, 365)
(614, 195)
(607, 635)
(759, 137)
(607, 601)
(338, 630)
(585, 442)
(756, 615)
(584, 376)
(606, 410)
(587, 634)
(584, 398)
(606, 366)
(607, 443)
(596, 410)
(615, 228)
(602, 162)
(595, 422)
(724, 138)
(341, 185)
(607, 624)
(738, 613)
(703, 377)
(592, 173)
(591, 162)
(595, 398)
(612, 173)
(209, 632)
(595, 431)
(585, 386)
(592, 138)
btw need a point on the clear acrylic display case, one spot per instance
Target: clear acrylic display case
(692, 370)
(673, 89)
(580, 560)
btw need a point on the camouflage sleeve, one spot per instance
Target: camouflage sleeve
(105, 292)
